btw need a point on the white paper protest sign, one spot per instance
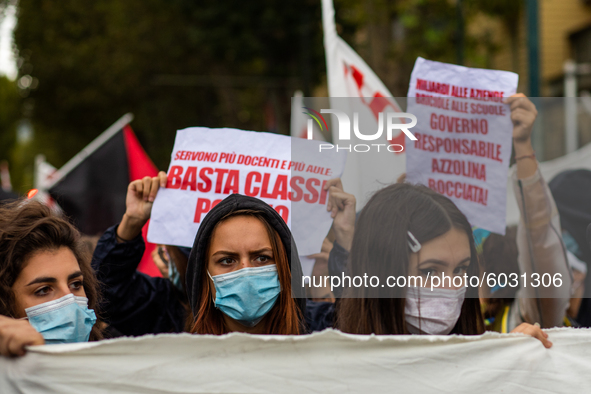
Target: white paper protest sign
(209, 164)
(463, 135)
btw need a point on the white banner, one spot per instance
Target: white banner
(349, 76)
(209, 164)
(464, 137)
(326, 362)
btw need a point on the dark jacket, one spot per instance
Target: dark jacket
(135, 303)
(571, 190)
(337, 265)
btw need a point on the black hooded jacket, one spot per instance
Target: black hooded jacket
(572, 192)
(137, 304)
(317, 315)
(134, 303)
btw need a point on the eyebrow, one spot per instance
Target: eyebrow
(48, 279)
(441, 262)
(261, 250)
(236, 254)
(75, 275)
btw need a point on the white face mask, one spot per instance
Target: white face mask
(433, 312)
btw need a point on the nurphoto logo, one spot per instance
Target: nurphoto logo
(392, 123)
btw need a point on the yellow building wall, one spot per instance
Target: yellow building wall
(505, 56)
(558, 19)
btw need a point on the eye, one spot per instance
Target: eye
(226, 261)
(461, 270)
(76, 285)
(43, 291)
(428, 271)
(263, 259)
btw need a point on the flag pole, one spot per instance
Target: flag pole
(90, 148)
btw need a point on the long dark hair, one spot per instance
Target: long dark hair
(28, 227)
(499, 256)
(284, 318)
(380, 248)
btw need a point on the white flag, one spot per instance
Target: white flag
(43, 173)
(350, 76)
(43, 178)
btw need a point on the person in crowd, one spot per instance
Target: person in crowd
(243, 272)
(48, 291)
(409, 231)
(172, 263)
(89, 241)
(533, 249)
(572, 191)
(361, 312)
(135, 303)
(406, 230)
(318, 289)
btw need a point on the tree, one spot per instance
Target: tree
(9, 115)
(390, 35)
(174, 64)
(231, 63)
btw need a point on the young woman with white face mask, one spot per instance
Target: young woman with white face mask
(408, 231)
(48, 291)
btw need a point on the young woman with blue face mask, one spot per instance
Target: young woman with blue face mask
(408, 231)
(239, 272)
(48, 291)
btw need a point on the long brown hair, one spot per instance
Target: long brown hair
(380, 248)
(499, 256)
(28, 227)
(283, 319)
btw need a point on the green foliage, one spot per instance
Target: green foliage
(9, 115)
(167, 62)
(428, 28)
(508, 10)
(431, 29)
(230, 63)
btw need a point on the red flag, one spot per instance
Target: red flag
(140, 165)
(92, 186)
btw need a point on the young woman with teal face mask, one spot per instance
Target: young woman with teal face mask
(239, 272)
(48, 291)
(238, 276)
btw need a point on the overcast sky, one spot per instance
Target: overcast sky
(7, 61)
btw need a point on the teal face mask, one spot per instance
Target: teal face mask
(175, 277)
(65, 320)
(571, 245)
(248, 294)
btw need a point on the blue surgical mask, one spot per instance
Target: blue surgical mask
(65, 320)
(571, 245)
(174, 276)
(248, 294)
